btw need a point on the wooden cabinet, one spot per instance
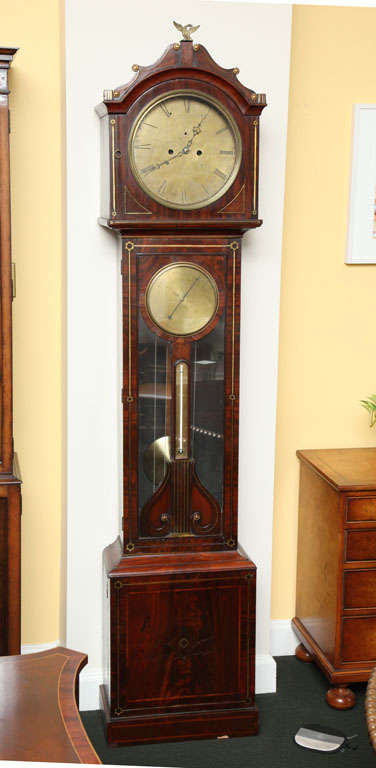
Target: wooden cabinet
(10, 483)
(336, 573)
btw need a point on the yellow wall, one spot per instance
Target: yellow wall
(327, 358)
(36, 82)
(327, 354)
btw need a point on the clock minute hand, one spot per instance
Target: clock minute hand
(184, 297)
(195, 130)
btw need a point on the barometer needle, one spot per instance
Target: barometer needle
(184, 297)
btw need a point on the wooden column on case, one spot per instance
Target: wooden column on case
(10, 495)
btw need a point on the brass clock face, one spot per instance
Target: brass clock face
(181, 299)
(185, 150)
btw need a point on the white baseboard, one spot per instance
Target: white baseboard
(40, 647)
(266, 673)
(90, 680)
(283, 639)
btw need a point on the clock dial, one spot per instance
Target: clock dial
(185, 150)
(182, 298)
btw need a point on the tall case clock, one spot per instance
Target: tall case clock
(179, 187)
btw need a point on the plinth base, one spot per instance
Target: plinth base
(183, 726)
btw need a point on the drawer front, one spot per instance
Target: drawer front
(361, 545)
(359, 589)
(183, 641)
(361, 509)
(359, 639)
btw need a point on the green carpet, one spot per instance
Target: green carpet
(299, 700)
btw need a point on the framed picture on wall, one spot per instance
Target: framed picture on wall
(361, 247)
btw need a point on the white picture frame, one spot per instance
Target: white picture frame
(361, 242)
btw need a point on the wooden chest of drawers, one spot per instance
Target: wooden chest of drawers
(336, 572)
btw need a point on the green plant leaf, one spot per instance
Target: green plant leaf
(370, 405)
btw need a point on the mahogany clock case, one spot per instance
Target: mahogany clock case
(179, 595)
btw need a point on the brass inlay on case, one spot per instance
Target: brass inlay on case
(185, 149)
(234, 246)
(129, 247)
(255, 136)
(113, 123)
(182, 298)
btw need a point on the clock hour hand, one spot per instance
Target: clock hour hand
(184, 297)
(195, 130)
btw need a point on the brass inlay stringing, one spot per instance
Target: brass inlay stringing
(234, 246)
(181, 245)
(129, 246)
(232, 397)
(13, 280)
(113, 123)
(255, 135)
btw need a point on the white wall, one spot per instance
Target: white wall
(104, 38)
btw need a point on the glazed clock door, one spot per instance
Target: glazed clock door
(182, 324)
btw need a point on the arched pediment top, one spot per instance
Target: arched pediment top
(186, 60)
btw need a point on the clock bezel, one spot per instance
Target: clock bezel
(205, 97)
(193, 333)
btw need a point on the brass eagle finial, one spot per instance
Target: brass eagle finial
(187, 30)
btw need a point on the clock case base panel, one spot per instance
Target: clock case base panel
(180, 635)
(178, 727)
